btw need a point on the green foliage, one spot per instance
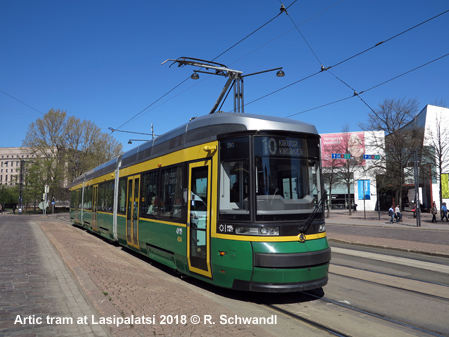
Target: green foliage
(8, 195)
(64, 147)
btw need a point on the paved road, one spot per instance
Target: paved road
(35, 286)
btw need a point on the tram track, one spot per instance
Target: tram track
(338, 318)
(443, 287)
(371, 314)
(343, 311)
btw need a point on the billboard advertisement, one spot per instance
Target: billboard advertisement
(364, 189)
(349, 146)
(445, 186)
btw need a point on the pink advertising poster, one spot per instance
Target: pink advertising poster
(351, 144)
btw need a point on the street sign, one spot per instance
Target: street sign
(371, 156)
(340, 156)
(43, 205)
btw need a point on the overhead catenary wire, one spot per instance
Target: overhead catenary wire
(233, 46)
(389, 39)
(18, 100)
(371, 88)
(345, 60)
(321, 63)
(303, 22)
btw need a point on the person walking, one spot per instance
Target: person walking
(444, 212)
(398, 213)
(434, 212)
(391, 214)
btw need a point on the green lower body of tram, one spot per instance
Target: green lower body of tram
(233, 263)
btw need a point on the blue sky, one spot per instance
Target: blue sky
(101, 60)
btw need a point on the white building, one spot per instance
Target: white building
(10, 158)
(434, 122)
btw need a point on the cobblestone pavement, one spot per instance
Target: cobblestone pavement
(38, 296)
(121, 285)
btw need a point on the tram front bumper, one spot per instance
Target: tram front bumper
(279, 287)
(289, 271)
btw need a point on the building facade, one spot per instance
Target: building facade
(433, 122)
(353, 160)
(350, 162)
(10, 158)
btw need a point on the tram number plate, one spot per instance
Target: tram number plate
(223, 228)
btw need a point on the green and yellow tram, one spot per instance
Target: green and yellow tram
(231, 199)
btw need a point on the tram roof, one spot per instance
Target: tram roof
(199, 130)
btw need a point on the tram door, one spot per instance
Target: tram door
(94, 223)
(132, 211)
(198, 222)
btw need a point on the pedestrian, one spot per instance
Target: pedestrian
(414, 211)
(398, 213)
(13, 209)
(434, 212)
(391, 214)
(1, 209)
(444, 212)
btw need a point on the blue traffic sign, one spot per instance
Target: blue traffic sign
(340, 156)
(371, 156)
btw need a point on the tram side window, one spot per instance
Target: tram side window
(108, 197)
(77, 199)
(88, 198)
(73, 199)
(80, 199)
(234, 179)
(150, 198)
(121, 207)
(101, 198)
(172, 199)
(105, 196)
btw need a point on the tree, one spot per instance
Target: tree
(351, 143)
(88, 147)
(64, 147)
(7, 195)
(341, 171)
(395, 118)
(45, 140)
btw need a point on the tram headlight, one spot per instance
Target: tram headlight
(268, 231)
(322, 228)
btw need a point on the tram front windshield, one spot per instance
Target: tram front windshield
(285, 178)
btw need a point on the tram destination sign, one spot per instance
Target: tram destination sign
(276, 146)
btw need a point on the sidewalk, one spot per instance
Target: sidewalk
(371, 218)
(134, 297)
(366, 229)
